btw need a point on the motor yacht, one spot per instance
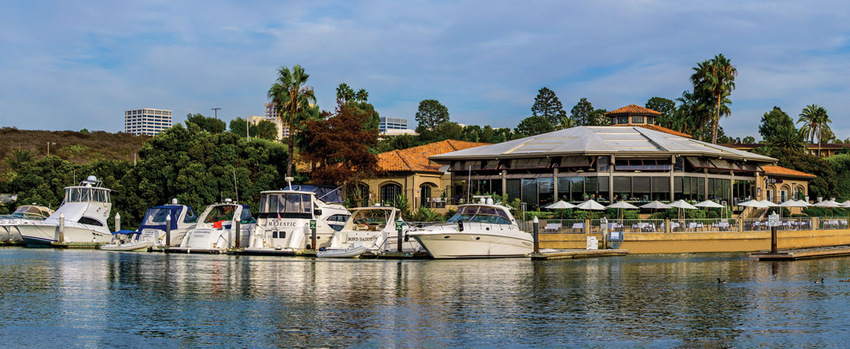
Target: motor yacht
(483, 230)
(24, 214)
(159, 223)
(370, 231)
(283, 223)
(222, 227)
(80, 220)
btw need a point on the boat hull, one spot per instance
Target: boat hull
(449, 245)
(342, 253)
(38, 235)
(128, 247)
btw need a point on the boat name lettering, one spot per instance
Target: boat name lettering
(281, 224)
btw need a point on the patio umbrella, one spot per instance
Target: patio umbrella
(752, 203)
(655, 206)
(828, 204)
(682, 206)
(768, 203)
(561, 204)
(708, 204)
(590, 205)
(803, 203)
(791, 203)
(845, 204)
(623, 205)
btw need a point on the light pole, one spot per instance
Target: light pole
(216, 109)
(247, 129)
(48, 147)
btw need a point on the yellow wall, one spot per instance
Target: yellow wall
(706, 242)
(410, 185)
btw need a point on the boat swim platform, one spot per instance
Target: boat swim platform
(577, 254)
(802, 253)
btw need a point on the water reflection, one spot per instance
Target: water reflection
(94, 298)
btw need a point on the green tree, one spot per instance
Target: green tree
(666, 107)
(772, 121)
(548, 106)
(18, 158)
(815, 124)
(582, 112)
(431, 114)
(211, 125)
(340, 145)
(472, 133)
(786, 141)
(598, 118)
(532, 126)
(748, 140)
(266, 130)
(715, 78)
(292, 99)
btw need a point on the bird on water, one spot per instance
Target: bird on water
(819, 281)
(719, 281)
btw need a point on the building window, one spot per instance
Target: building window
(389, 192)
(623, 120)
(637, 119)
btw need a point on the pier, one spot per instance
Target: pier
(802, 253)
(577, 253)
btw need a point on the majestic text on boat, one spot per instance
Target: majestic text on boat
(81, 219)
(370, 230)
(24, 214)
(221, 227)
(283, 223)
(160, 222)
(476, 231)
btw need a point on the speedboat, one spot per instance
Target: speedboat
(285, 218)
(159, 223)
(370, 231)
(483, 230)
(24, 214)
(80, 220)
(222, 227)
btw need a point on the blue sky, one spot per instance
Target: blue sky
(67, 67)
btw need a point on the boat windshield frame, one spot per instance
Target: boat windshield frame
(287, 205)
(480, 214)
(87, 194)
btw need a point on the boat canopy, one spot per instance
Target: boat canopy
(328, 194)
(481, 214)
(224, 212)
(31, 211)
(155, 217)
(286, 205)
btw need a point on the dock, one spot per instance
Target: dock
(577, 253)
(91, 245)
(802, 253)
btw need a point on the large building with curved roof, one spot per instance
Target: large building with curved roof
(636, 163)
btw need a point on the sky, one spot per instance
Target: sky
(70, 65)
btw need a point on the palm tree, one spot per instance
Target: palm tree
(815, 123)
(18, 158)
(291, 97)
(715, 78)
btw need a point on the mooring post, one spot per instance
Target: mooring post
(61, 227)
(399, 224)
(535, 228)
(238, 225)
(117, 221)
(604, 222)
(168, 231)
(773, 239)
(313, 235)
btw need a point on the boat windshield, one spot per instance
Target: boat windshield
(287, 205)
(157, 216)
(369, 219)
(32, 212)
(220, 213)
(85, 194)
(480, 214)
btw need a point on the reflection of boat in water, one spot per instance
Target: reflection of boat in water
(153, 232)
(476, 231)
(221, 227)
(283, 223)
(370, 230)
(24, 214)
(80, 220)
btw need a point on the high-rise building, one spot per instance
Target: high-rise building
(392, 124)
(146, 121)
(282, 126)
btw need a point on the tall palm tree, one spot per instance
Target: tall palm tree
(291, 98)
(815, 123)
(715, 78)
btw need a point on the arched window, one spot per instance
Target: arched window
(425, 195)
(389, 193)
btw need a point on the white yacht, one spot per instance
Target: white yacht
(24, 214)
(221, 227)
(152, 232)
(283, 223)
(81, 219)
(482, 230)
(372, 231)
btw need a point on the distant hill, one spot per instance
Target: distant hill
(78, 147)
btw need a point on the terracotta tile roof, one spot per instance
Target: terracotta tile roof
(416, 158)
(779, 171)
(633, 109)
(663, 129)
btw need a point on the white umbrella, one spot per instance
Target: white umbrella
(827, 204)
(561, 204)
(803, 203)
(682, 206)
(791, 203)
(656, 205)
(768, 203)
(709, 204)
(752, 203)
(623, 205)
(590, 205)
(845, 204)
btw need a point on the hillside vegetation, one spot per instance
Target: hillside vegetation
(77, 147)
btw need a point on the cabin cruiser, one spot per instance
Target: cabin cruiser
(370, 231)
(221, 227)
(283, 223)
(160, 222)
(483, 230)
(24, 214)
(80, 220)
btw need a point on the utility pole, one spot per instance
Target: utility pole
(216, 118)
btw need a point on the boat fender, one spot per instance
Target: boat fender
(460, 226)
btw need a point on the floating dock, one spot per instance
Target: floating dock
(90, 245)
(577, 253)
(802, 253)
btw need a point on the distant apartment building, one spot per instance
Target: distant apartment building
(392, 124)
(146, 121)
(282, 126)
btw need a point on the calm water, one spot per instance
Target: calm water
(53, 298)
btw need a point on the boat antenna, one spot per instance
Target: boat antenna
(235, 186)
(468, 184)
